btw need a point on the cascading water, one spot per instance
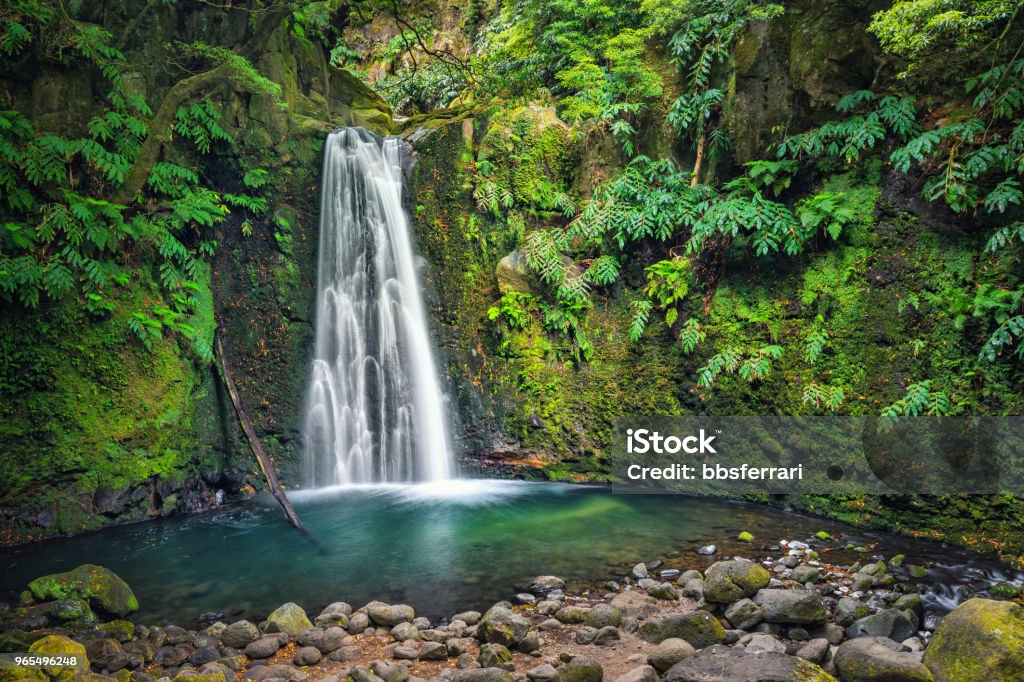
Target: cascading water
(375, 410)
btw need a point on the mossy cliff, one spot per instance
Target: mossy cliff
(96, 429)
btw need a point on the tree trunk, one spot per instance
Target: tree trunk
(265, 464)
(695, 180)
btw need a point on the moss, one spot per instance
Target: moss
(980, 640)
(100, 586)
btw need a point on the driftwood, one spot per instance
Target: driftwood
(261, 456)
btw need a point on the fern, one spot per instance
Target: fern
(831, 397)
(641, 313)
(920, 399)
(691, 334)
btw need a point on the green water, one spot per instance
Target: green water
(442, 548)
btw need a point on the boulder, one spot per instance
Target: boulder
(106, 655)
(502, 626)
(100, 586)
(670, 652)
(799, 607)
(744, 614)
(982, 639)
(581, 669)
(727, 581)
(663, 591)
(872, 659)
(849, 610)
(699, 628)
(307, 655)
(493, 655)
(483, 675)
(288, 618)
(542, 584)
(240, 634)
(58, 645)
(264, 647)
(634, 604)
(603, 615)
(644, 673)
(542, 673)
(389, 615)
(895, 624)
(723, 664)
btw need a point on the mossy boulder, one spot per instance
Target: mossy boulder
(502, 626)
(725, 664)
(58, 645)
(100, 586)
(700, 629)
(288, 618)
(981, 639)
(727, 581)
(581, 669)
(868, 658)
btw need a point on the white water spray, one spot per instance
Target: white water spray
(375, 410)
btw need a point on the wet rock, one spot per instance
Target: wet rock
(744, 614)
(502, 626)
(288, 618)
(723, 664)
(727, 581)
(170, 656)
(707, 550)
(204, 655)
(981, 639)
(869, 659)
(640, 572)
(581, 669)
(99, 586)
(264, 647)
(106, 655)
(176, 635)
(389, 615)
(800, 607)
(669, 652)
(240, 634)
(892, 623)
(602, 615)
(543, 584)
(644, 673)
(700, 629)
(910, 602)
(493, 655)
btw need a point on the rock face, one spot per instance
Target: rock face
(722, 664)
(872, 659)
(799, 607)
(502, 626)
(700, 629)
(100, 586)
(727, 581)
(981, 639)
(288, 618)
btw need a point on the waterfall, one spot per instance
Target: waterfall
(375, 409)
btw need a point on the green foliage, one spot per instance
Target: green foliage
(668, 282)
(829, 397)
(513, 309)
(691, 334)
(919, 400)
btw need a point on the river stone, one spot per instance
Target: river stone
(910, 602)
(800, 607)
(433, 651)
(805, 573)
(404, 631)
(196, 676)
(606, 635)
(603, 615)
(892, 623)
(264, 647)
(644, 673)
(549, 624)
(493, 655)
(543, 584)
(640, 572)
(502, 626)
(720, 663)
(333, 638)
(744, 614)
(762, 643)
(358, 623)
(585, 635)
(346, 653)
(663, 591)
(288, 618)
(204, 655)
(240, 634)
(814, 650)
(699, 628)
(670, 652)
(694, 588)
(337, 614)
(58, 645)
(849, 609)
(106, 655)
(483, 675)
(544, 672)
(581, 669)
(100, 586)
(389, 615)
(362, 674)
(467, 617)
(727, 581)
(982, 639)
(390, 671)
(871, 659)
(572, 614)
(529, 644)
(307, 655)
(406, 652)
(861, 582)
(634, 604)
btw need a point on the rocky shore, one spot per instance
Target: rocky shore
(785, 616)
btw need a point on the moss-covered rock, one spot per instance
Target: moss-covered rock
(981, 639)
(289, 618)
(700, 629)
(58, 645)
(100, 586)
(727, 581)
